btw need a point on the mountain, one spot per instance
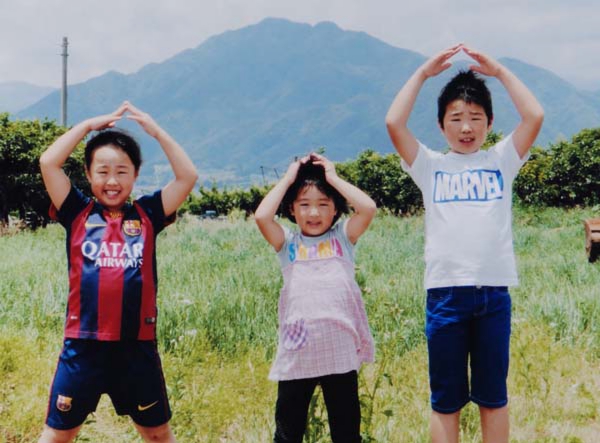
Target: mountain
(15, 96)
(249, 100)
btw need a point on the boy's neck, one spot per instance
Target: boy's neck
(114, 213)
(452, 151)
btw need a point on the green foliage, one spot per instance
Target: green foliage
(491, 139)
(383, 179)
(529, 185)
(225, 201)
(566, 175)
(21, 188)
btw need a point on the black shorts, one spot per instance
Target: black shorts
(130, 372)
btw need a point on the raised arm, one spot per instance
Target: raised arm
(52, 160)
(364, 207)
(530, 110)
(266, 211)
(176, 191)
(396, 119)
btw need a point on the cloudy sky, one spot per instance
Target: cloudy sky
(124, 35)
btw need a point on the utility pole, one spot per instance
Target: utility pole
(63, 96)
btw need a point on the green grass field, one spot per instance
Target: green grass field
(218, 290)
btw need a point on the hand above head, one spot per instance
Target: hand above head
(487, 65)
(292, 171)
(143, 119)
(439, 62)
(106, 120)
(327, 165)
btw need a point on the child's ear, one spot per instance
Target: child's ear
(441, 128)
(87, 174)
(489, 128)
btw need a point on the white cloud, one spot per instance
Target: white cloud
(125, 35)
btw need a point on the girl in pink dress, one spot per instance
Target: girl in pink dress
(324, 336)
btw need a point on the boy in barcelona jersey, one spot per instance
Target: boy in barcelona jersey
(110, 328)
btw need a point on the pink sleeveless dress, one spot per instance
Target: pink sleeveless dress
(323, 326)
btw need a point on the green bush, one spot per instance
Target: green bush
(565, 175)
(383, 179)
(22, 191)
(225, 201)
(529, 186)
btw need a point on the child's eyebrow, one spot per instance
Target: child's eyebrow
(305, 199)
(459, 113)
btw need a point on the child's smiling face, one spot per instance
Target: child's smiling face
(465, 126)
(314, 211)
(111, 176)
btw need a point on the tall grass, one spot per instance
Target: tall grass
(218, 290)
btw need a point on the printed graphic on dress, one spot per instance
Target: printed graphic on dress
(472, 185)
(295, 335)
(324, 249)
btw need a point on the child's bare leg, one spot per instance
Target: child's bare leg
(494, 424)
(160, 434)
(51, 435)
(444, 427)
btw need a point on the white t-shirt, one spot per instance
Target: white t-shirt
(468, 215)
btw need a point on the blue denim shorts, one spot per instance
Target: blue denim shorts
(468, 326)
(129, 372)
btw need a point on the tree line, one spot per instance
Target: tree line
(564, 174)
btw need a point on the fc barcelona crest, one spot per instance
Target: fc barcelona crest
(132, 228)
(63, 403)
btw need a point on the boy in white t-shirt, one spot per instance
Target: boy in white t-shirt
(468, 237)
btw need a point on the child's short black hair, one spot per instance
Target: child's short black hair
(118, 138)
(468, 87)
(309, 175)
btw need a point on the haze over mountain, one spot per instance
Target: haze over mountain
(15, 96)
(258, 96)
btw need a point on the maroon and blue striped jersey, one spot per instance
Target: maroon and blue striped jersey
(112, 267)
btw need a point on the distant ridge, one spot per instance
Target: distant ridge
(15, 96)
(260, 95)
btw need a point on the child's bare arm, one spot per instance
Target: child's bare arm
(364, 207)
(176, 191)
(530, 110)
(52, 160)
(396, 119)
(266, 211)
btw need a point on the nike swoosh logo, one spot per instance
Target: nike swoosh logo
(143, 408)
